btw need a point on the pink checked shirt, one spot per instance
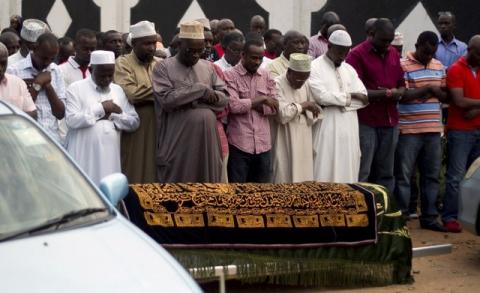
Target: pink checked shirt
(249, 130)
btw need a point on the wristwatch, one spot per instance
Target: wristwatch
(36, 87)
(388, 93)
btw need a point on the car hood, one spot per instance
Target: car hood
(112, 256)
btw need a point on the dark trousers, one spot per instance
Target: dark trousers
(463, 147)
(426, 147)
(244, 167)
(378, 153)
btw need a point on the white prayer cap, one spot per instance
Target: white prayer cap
(32, 29)
(100, 57)
(300, 62)
(142, 29)
(205, 22)
(191, 30)
(340, 38)
(129, 39)
(398, 39)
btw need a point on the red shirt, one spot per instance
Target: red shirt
(460, 75)
(219, 49)
(270, 55)
(377, 72)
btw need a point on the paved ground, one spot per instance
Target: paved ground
(455, 272)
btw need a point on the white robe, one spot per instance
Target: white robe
(92, 142)
(292, 152)
(336, 140)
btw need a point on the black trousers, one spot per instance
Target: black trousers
(244, 167)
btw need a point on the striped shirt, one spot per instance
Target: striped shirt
(421, 116)
(25, 70)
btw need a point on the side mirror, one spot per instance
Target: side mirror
(114, 187)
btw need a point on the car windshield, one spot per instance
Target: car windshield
(37, 181)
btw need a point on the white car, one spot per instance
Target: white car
(59, 233)
(469, 203)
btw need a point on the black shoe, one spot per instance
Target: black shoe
(434, 226)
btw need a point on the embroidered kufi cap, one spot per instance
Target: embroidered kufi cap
(32, 29)
(191, 30)
(300, 62)
(100, 57)
(142, 29)
(340, 38)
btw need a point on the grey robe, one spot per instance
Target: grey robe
(188, 145)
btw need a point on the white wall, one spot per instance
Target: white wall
(284, 15)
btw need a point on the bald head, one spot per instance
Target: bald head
(294, 42)
(474, 42)
(473, 53)
(335, 27)
(258, 24)
(225, 23)
(329, 18)
(290, 35)
(224, 27)
(369, 26)
(214, 26)
(11, 41)
(383, 34)
(383, 25)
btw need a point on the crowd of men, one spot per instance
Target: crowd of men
(222, 105)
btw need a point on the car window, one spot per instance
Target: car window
(37, 181)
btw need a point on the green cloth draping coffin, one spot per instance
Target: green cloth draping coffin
(312, 234)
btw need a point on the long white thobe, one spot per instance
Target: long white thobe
(293, 152)
(336, 140)
(93, 142)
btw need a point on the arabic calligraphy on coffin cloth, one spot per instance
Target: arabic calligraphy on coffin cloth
(308, 213)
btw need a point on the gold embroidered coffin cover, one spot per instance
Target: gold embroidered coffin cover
(254, 215)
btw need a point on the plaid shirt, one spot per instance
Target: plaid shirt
(25, 70)
(249, 130)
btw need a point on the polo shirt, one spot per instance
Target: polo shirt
(460, 75)
(377, 72)
(421, 116)
(72, 72)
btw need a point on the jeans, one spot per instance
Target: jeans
(426, 147)
(378, 153)
(244, 167)
(463, 147)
